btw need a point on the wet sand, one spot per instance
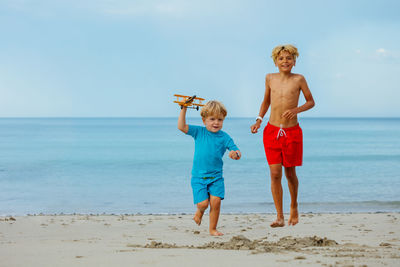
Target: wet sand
(363, 239)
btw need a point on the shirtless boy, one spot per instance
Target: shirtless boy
(282, 137)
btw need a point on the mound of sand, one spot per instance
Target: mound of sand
(241, 242)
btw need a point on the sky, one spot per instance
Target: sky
(121, 58)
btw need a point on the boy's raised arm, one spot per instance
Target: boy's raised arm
(182, 121)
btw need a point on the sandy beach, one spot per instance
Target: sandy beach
(371, 239)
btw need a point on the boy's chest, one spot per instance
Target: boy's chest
(212, 144)
(288, 89)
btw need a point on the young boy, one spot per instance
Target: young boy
(282, 137)
(210, 145)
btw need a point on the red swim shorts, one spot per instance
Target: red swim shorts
(283, 145)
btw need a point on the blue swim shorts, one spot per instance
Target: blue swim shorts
(204, 187)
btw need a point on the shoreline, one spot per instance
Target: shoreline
(320, 239)
(192, 213)
(347, 207)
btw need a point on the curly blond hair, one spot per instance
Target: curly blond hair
(213, 108)
(291, 49)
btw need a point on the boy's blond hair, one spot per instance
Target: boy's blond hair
(213, 108)
(291, 49)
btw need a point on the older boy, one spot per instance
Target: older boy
(282, 137)
(210, 145)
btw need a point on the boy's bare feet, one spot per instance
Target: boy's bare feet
(198, 216)
(279, 222)
(294, 216)
(215, 233)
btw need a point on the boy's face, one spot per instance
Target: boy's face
(285, 61)
(214, 123)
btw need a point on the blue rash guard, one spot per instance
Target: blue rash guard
(209, 149)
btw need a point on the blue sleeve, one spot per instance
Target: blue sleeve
(193, 130)
(230, 145)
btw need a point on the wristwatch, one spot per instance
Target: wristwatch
(259, 118)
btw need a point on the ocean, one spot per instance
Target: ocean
(143, 166)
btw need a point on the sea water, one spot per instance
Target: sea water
(143, 165)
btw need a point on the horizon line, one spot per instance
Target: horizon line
(192, 117)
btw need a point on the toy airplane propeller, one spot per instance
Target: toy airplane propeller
(189, 101)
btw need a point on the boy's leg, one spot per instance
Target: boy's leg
(215, 207)
(293, 184)
(276, 189)
(201, 208)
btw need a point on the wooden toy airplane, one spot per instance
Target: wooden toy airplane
(189, 101)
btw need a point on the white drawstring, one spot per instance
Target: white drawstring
(281, 132)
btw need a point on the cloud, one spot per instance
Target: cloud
(386, 54)
(381, 52)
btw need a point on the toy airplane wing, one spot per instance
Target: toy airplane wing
(189, 101)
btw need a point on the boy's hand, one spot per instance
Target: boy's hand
(235, 154)
(290, 113)
(254, 128)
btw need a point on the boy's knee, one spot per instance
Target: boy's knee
(290, 174)
(215, 202)
(276, 176)
(203, 205)
(275, 172)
